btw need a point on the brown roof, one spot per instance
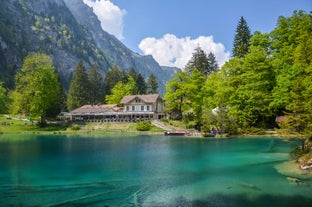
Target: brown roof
(280, 119)
(150, 98)
(96, 109)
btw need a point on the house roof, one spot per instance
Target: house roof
(149, 98)
(96, 109)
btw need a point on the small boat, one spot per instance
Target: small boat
(175, 133)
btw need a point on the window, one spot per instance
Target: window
(133, 108)
(127, 108)
(147, 108)
(142, 108)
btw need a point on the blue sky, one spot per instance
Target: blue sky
(170, 29)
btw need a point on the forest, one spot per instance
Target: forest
(268, 76)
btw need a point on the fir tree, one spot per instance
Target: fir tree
(212, 63)
(96, 85)
(152, 84)
(241, 40)
(79, 92)
(139, 80)
(141, 84)
(113, 76)
(199, 61)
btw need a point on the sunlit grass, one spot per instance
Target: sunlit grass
(15, 125)
(10, 124)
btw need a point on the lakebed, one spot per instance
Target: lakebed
(84, 170)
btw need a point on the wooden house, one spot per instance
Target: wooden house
(149, 106)
(135, 108)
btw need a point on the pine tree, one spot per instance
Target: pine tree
(241, 40)
(199, 61)
(79, 93)
(152, 84)
(113, 76)
(96, 85)
(212, 63)
(141, 84)
(139, 79)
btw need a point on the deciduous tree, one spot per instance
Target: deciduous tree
(3, 99)
(120, 90)
(112, 77)
(175, 95)
(37, 88)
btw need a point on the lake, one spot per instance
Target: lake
(41, 170)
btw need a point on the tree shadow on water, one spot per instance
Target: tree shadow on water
(220, 200)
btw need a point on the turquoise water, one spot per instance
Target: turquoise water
(146, 171)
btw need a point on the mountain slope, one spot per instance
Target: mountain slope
(114, 50)
(48, 26)
(67, 30)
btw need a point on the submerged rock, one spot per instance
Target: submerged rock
(294, 180)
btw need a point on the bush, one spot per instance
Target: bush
(75, 127)
(190, 125)
(143, 126)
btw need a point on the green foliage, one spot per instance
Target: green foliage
(143, 126)
(194, 96)
(212, 63)
(152, 84)
(96, 85)
(252, 97)
(269, 75)
(241, 40)
(37, 88)
(4, 100)
(175, 95)
(120, 90)
(292, 51)
(219, 118)
(75, 127)
(302, 150)
(113, 76)
(139, 80)
(78, 94)
(200, 62)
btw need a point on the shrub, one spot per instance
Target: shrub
(190, 125)
(143, 126)
(75, 127)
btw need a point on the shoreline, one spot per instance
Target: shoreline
(291, 169)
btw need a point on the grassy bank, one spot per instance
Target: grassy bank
(20, 125)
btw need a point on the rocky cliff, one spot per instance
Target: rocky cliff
(67, 30)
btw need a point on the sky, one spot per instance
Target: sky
(170, 30)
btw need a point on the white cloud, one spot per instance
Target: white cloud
(172, 51)
(110, 16)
